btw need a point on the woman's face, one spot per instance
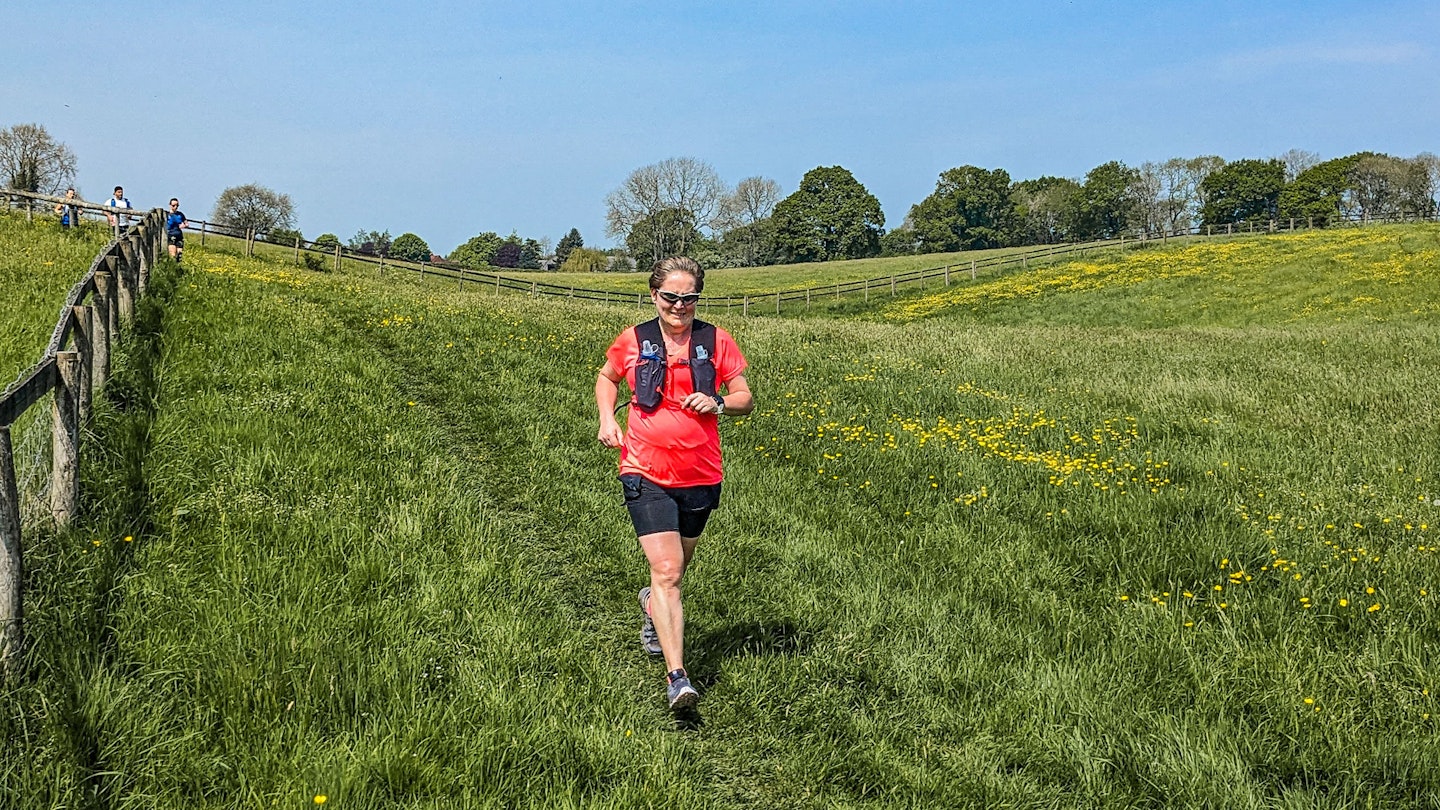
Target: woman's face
(677, 315)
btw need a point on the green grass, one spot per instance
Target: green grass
(39, 263)
(378, 555)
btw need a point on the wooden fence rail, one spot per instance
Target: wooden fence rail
(75, 367)
(761, 303)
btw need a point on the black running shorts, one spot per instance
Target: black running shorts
(177, 238)
(654, 508)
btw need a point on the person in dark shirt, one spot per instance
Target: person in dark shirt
(175, 224)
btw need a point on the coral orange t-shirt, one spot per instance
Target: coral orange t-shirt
(673, 446)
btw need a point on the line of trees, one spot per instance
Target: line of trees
(680, 206)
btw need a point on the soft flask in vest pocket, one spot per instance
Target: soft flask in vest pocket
(650, 368)
(650, 376)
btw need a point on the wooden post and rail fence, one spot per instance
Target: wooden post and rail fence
(776, 301)
(75, 368)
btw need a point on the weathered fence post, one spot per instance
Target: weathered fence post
(972, 269)
(64, 440)
(867, 290)
(533, 291)
(892, 285)
(84, 336)
(807, 299)
(12, 561)
(947, 275)
(337, 258)
(462, 277)
(777, 303)
(1228, 228)
(104, 316)
(297, 251)
(745, 306)
(1310, 222)
(125, 292)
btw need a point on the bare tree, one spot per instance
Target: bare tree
(1194, 171)
(1297, 161)
(754, 199)
(1429, 162)
(1147, 189)
(33, 161)
(683, 186)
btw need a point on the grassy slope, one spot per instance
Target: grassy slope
(951, 568)
(39, 263)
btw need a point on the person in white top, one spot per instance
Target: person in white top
(117, 201)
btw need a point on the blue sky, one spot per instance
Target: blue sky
(452, 118)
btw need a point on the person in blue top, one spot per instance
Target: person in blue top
(175, 224)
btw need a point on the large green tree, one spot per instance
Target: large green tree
(1046, 208)
(1318, 194)
(1105, 207)
(970, 209)
(830, 216)
(1246, 190)
(478, 252)
(410, 247)
(567, 243)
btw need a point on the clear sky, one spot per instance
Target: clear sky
(452, 118)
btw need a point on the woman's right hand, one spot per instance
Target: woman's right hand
(610, 434)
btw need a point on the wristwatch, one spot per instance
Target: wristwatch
(719, 403)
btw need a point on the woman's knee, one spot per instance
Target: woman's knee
(666, 573)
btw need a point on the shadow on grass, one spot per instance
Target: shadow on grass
(708, 649)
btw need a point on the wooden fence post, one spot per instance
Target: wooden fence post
(64, 440)
(125, 292)
(103, 316)
(745, 306)
(892, 285)
(84, 337)
(867, 290)
(140, 269)
(972, 269)
(297, 251)
(532, 289)
(947, 275)
(337, 258)
(12, 561)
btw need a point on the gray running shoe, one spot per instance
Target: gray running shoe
(649, 639)
(683, 696)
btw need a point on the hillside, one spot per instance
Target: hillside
(1147, 535)
(38, 265)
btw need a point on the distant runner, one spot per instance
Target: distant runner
(670, 453)
(175, 224)
(115, 204)
(68, 212)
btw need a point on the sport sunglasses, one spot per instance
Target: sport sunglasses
(688, 299)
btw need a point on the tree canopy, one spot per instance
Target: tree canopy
(567, 243)
(970, 209)
(1243, 190)
(478, 252)
(253, 207)
(830, 216)
(410, 247)
(31, 160)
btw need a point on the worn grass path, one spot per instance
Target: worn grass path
(377, 555)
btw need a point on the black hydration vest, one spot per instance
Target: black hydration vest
(650, 369)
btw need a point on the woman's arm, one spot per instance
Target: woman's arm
(607, 391)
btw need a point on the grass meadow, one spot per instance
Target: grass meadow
(39, 263)
(1154, 532)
